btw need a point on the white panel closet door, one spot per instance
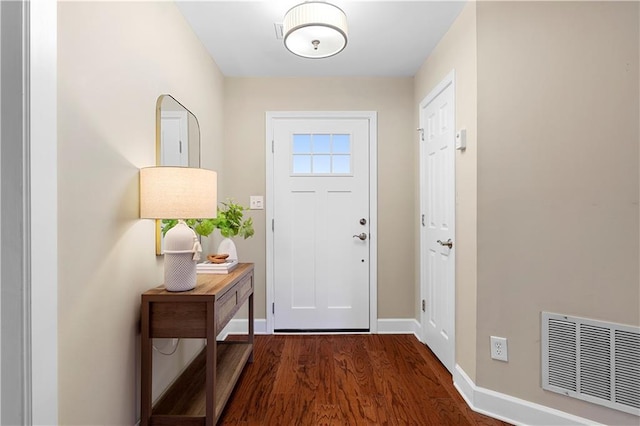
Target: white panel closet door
(437, 188)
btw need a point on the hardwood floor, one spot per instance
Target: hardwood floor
(347, 380)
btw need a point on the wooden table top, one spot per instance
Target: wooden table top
(206, 285)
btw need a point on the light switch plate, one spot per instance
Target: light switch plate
(256, 202)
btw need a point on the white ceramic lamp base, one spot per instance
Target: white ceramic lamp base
(179, 272)
(181, 253)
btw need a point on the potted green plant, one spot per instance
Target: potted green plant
(230, 221)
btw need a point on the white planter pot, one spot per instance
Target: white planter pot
(228, 246)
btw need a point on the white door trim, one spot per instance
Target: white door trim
(373, 203)
(35, 287)
(44, 203)
(449, 80)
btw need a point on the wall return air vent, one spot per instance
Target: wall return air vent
(592, 360)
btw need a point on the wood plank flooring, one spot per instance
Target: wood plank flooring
(346, 380)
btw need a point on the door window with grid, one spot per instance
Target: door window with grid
(321, 154)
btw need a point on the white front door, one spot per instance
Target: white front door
(437, 200)
(321, 224)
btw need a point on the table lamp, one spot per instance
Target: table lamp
(179, 193)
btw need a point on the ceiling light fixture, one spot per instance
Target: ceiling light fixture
(315, 29)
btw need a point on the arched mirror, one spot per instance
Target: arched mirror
(177, 141)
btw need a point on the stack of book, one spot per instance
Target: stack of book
(207, 267)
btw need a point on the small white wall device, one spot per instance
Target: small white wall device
(256, 202)
(461, 139)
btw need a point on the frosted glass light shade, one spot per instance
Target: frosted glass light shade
(315, 30)
(178, 193)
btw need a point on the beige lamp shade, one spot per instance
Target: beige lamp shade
(178, 193)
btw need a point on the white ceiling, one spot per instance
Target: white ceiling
(386, 38)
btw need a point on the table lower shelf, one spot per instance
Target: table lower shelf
(185, 401)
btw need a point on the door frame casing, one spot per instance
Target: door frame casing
(449, 80)
(38, 201)
(372, 117)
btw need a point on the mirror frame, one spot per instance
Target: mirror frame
(159, 151)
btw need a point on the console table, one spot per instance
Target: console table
(199, 395)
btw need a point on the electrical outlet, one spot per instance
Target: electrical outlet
(499, 348)
(256, 202)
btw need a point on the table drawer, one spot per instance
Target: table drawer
(230, 302)
(177, 319)
(226, 307)
(245, 288)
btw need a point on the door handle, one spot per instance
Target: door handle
(362, 236)
(447, 243)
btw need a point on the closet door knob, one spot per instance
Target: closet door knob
(447, 243)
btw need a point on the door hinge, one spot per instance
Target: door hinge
(422, 220)
(273, 225)
(272, 143)
(273, 308)
(180, 146)
(424, 306)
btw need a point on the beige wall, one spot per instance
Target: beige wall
(552, 107)
(114, 60)
(558, 183)
(246, 102)
(457, 51)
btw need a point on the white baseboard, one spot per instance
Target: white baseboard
(385, 326)
(510, 409)
(241, 326)
(399, 326)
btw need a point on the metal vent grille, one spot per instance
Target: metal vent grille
(592, 360)
(562, 355)
(627, 368)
